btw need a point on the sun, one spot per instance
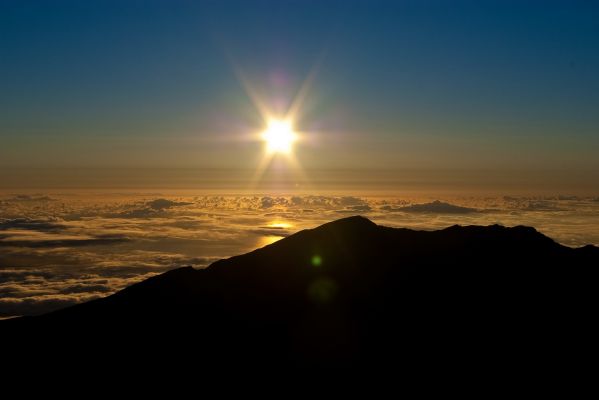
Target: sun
(279, 137)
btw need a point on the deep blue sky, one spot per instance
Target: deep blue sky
(399, 83)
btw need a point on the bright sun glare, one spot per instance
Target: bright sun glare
(279, 137)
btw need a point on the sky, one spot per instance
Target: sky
(509, 88)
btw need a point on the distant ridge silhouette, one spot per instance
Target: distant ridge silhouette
(349, 293)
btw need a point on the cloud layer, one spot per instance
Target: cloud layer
(57, 250)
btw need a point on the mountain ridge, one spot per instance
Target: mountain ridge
(343, 293)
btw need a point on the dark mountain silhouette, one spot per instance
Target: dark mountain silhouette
(349, 293)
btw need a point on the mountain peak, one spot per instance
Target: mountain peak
(347, 292)
(355, 222)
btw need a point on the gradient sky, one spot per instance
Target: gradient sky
(440, 85)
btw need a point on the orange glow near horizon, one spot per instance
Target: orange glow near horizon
(280, 224)
(266, 240)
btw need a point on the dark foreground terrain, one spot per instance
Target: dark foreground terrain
(348, 293)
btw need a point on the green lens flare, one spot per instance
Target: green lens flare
(316, 260)
(322, 290)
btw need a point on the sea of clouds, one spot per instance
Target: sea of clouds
(61, 249)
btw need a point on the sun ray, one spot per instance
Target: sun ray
(252, 93)
(260, 169)
(293, 113)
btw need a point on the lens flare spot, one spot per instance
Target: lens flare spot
(316, 260)
(322, 290)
